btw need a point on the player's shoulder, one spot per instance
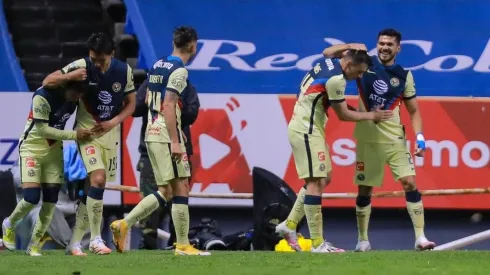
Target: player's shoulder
(338, 78)
(42, 92)
(120, 65)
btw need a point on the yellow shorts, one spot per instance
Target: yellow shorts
(45, 169)
(95, 158)
(164, 168)
(372, 157)
(311, 155)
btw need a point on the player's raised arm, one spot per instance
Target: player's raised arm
(410, 100)
(336, 95)
(73, 71)
(41, 111)
(338, 51)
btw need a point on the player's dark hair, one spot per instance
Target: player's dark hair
(359, 57)
(100, 43)
(391, 33)
(183, 36)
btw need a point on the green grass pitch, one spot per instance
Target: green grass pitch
(163, 262)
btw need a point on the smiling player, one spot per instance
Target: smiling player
(41, 158)
(103, 109)
(386, 83)
(322, 87)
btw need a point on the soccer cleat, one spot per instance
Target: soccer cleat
(119, 230)
(34, 250)
(289, 235)
(189, 250)
(8, 235)
(422, 244)
(75, 250)
(98, 247)
(363, 246)
(326, 247)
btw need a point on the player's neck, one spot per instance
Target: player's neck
(106, 68)
(184, 57)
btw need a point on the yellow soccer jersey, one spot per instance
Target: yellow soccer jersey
(325, 83)
(106, 100)
(167, 75)
(388, 86)
(48, 107)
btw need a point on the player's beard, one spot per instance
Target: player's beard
(386, 56)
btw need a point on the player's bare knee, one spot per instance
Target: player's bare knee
(365, 191)
(180, 187)
(314, 186)
(97, 178)
(50, 193)
(166, 191)
(325, 181)
(408, 183)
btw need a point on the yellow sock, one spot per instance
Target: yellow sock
(43, 221)
(298, 211)
(313, 211)
(146, 206)
(81, 224)
(180, 218)
(363, 214)
(20, 212)
(416, 211)
(94, 209)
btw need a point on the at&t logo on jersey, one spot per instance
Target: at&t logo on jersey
(105, 97)
(380, 87)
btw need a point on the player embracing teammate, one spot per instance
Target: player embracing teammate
(389, 84)
(102, 109)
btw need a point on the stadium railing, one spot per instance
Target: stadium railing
(11, 76)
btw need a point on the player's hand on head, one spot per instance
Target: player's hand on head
(358, 46)
(84, 134)
(382, 115)
(176, 151)
(78, 74)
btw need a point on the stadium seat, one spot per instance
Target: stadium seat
(26, 14)
(80, 14)
(33, 48)
(34, 31)
(73, 49)
(44, 64)
(78, 32)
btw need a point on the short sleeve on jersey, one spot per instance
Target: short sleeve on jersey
(177, 81)
(336, 88)
(77, 64)
(409, 91)
(130, 82)
(40, 109)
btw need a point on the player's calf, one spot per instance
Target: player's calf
(32, 195)
(363, 213)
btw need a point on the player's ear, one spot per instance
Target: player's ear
(112, 53)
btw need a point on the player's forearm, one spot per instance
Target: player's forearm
(48, 132)
(336, 51)
(56, 79)
(127, 110)
(171, 122)
(348, 115)
(416, 119)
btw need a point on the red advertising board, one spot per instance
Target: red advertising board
(235, 133)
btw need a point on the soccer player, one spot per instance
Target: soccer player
(103, 109)
(389, 84)
(41, 157)
(165, 144)
(321, 88)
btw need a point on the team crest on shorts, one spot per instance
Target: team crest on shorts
(116, 87)
(92, 161)
(322, 167)
(186, 166)
(394, 82)
(31, 173)
(90, 150)
(30, 162)
(361, 177)
(360, 166)
(321, 156)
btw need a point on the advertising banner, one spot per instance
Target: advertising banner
(234, 133)
(261, 46)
